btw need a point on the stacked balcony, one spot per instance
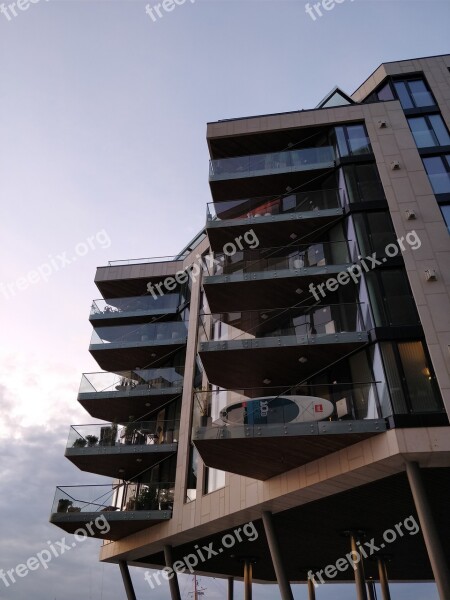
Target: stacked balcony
(112, 511)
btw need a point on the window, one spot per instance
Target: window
(374, 231)
(352, 140)
(429, 130)
(413, 93)
(445, 209)
(391, 298)
(214, 480)
(438, 170)
(363, 183)
(385, 93)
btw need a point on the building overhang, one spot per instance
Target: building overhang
(122, 356)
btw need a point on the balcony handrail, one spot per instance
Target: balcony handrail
(137, 261)
(124, 379)
(290, 248)
(274, 153)
(289, 387)
(284, 309)
(150, 326)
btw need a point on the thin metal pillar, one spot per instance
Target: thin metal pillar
(429, 531)
(371, 590)
(230, 588)
(382, 574)
(173, 581)
(127, 580)
(283, 581)
(360, 581)
(311, 590)
(248, 577)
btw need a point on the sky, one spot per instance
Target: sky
(103, 112)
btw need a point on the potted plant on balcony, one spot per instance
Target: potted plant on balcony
(63, 505)
(91, 440)
(130, 429)
(79, 443)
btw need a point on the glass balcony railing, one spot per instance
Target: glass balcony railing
(334, 401)
(146, 334)
(265, 206)
(302, 321)
(275, 162)
(139, 380)
(116, 497)
(136, 433)
(139, 261)
(275, 259)
(123, 306)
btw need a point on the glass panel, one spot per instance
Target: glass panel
(403, 94)
(438, 174)
(423, 136)
(363, 183)
(341, 141)
(122, 306)
(440, 130)
(214, 480)
(421, 96)
(393, 378)
(398, 298)
(358, 140)
(418, 378)
(137, 433)
(445, 209)
(385, 93)
(146, 333)
(336, 100)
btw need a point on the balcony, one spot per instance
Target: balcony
(114, 396)
(296, 213)
(121, 451)
(267, 173)
(123, 347)
(137, 309)
(278, 346)
(241, 280)
(289, 427)
(112, 511)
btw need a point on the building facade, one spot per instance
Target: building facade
(276, 397)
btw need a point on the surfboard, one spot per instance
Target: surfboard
(272, 410)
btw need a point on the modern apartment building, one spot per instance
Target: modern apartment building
(276, 397)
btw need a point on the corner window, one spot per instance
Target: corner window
(363, 183)
(413, 93)
(445, 210)
(429, 130)
(385, 93)
(438, 170)
(352, 140)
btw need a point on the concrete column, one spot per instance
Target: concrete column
(173, 581)
(283, 581)
(382, 574)
(248, 577)
(429, 531)
(127, 580)
(360, 580)
(311, 590)
(230, 588)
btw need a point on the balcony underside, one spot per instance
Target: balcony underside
(121, 524)
(129, 459)
(264, 451)
(118, 406)
(269, 289)
(309, 535)
(247, 363)
(274, 230)
(268, 184)
(123, 357)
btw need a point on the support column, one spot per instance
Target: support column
(382, 574)
(360, 580)
(230, 588)
(429, 531)
(283, 582)
(173, 581)
(129, 590)
(311, 590)
(248, 578)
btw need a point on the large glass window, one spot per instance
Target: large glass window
(352, 140)
(374, 231)
(429, 130)
(385, 93)
(445, 209)
(438, 170)
(391, 298)
(214, 480)
(413, 93)
(363, 183)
